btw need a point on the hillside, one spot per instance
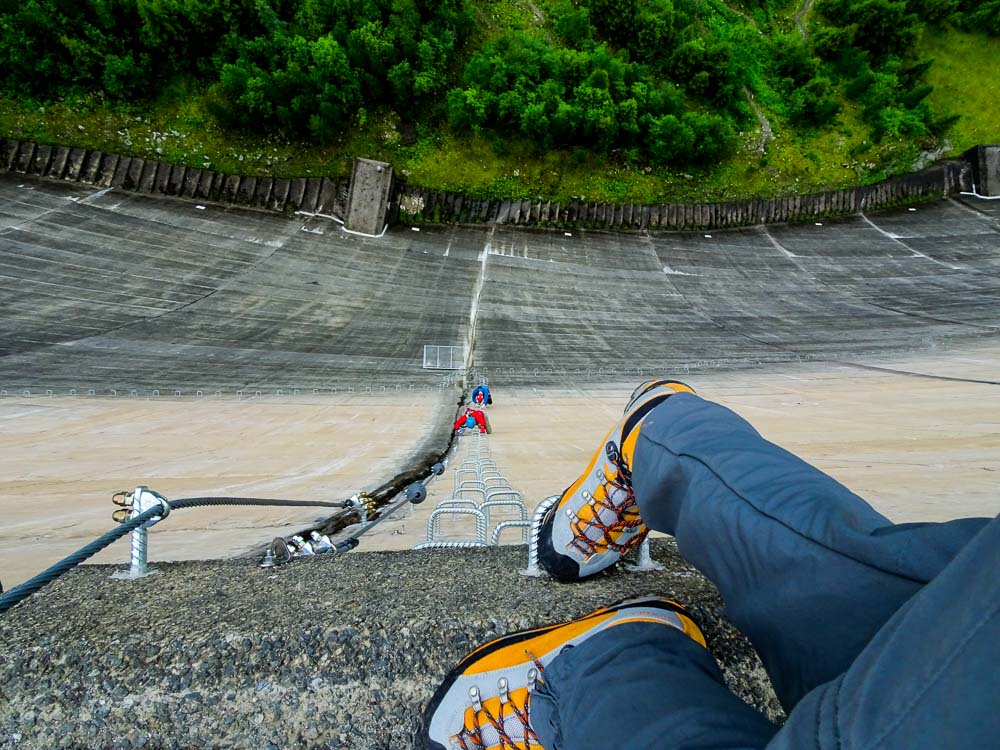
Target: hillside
(614, 100)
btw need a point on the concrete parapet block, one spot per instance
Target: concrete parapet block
(120, 173)
(229, 189)
(368, 199)
(8, 153)
(327, 203)
(163, 172)
(344, 193)
(279, 194)
(310, 198)
(24, 156)
(245, 189)
(503, 215)
(38, 165)
(147, 178)
(57, 166)
(213, 184)
(986, 169)
(104, 168)
(90, 172)
(184, 182)
(296, 191)
(262, 192)
(173, 179)
(134, 174)
(75, 160)
(654, 216)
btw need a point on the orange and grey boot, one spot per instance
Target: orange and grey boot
(485, 702)
(596, 520)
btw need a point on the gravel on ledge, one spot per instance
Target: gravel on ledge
(335, 652)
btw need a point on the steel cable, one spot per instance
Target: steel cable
(194, 502)
(29, 587)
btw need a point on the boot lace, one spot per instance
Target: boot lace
(619, 498)
(502, 722)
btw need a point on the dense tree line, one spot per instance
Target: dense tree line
(305, 66)
(592, 97)
(666, 82)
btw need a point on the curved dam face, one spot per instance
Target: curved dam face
(104, 290)
(213, 351)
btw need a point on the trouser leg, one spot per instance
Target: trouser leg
(928, 679)
(807, 569)
(642, 686)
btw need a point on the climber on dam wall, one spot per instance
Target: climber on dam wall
(473, 419)
(481, 395)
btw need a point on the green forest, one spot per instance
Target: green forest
(603, 98)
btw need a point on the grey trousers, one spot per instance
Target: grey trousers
(874, 634)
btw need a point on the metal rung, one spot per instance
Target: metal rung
(433, 522)
(449, 545)
(523, 524)
(457, 503)
(517, 505)
(466, 493)
(504, 493)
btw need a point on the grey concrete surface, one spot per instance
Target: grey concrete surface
(105, 290)
(338, 652)
(226, 299)
(368, 201)
(584, 306)
(987, 170)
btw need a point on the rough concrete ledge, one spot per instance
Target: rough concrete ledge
(340, 651)
(421, 206)
(152, 177)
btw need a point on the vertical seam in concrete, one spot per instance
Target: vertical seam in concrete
(476, 294)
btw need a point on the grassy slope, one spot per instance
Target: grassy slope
(966, 81)
(177, 128)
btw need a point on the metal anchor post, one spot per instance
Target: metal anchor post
(143, 499)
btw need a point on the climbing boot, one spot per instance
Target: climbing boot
(485, 701)
(596, 520)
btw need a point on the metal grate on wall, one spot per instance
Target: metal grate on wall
(444, 357)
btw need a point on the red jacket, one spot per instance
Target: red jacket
(476, 414)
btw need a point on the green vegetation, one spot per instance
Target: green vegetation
(964, 86)
(622, 100)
